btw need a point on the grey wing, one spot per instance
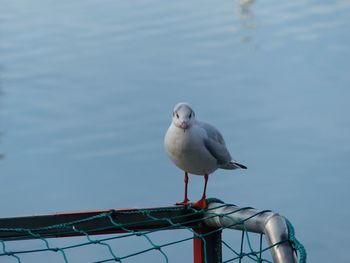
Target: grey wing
(215, 144)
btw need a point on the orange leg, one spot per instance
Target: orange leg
(185, 201)
(202, 202)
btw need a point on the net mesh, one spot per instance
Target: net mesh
(141, 235)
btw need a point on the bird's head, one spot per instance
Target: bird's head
(183, 116)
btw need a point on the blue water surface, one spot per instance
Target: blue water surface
(87, 90)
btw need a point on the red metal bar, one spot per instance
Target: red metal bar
(198, 248)
(207, 248)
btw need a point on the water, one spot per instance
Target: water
(87, 90)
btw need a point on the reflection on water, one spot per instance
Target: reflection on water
(90, 86)
(246, 13)
(2, 155)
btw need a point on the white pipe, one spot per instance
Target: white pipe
(269, 223)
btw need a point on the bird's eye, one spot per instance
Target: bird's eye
(189, 116)
(177, 115)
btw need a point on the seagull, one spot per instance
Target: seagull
(197, 148)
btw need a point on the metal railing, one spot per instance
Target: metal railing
(207, 226)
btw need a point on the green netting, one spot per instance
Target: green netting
(133, 243)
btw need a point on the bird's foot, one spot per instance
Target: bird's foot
(184, 202)
(202, 204)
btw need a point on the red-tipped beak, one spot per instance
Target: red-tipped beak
(184, 125)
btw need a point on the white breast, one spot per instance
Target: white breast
(187, 150)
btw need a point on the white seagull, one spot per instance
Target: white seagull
(196, 147)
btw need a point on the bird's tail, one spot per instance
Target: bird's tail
(233, 165)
